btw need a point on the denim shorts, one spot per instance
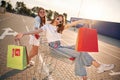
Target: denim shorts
(55, 44)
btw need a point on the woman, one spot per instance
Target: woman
(40, 20)
(53, 35)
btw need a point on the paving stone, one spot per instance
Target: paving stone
(63, 69)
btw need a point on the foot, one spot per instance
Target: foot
(31, 63)
(105, 67)
(85, 79)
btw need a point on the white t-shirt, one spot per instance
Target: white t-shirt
(51, 33)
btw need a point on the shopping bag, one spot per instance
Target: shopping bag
(17, 57)
(87, 40)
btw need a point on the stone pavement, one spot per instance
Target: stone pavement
(58, 68)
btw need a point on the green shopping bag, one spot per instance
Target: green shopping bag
(17, 57)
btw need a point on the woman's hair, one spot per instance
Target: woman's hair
(43, 19)
(60, 26)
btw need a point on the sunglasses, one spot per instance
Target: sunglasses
(60, 22)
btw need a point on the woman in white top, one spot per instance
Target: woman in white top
(82, 59)
(40, 20)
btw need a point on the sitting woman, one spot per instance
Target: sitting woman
(53, 35)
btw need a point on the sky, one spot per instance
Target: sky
(106, 10)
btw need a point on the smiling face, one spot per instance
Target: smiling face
(58, 20)
(42, 13)
(42, 16)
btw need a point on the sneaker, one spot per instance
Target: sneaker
(105, 67)
(31, 63)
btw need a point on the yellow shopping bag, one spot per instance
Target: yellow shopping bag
(17, 57)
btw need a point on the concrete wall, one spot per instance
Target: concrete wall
(111, 29)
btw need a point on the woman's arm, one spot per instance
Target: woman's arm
(33, 32)
(20, 35)
(76, 22)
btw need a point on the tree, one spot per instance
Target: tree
(65, 16)
(49, 14)
(22, 9)
(56, 14)
(9, 7)
(3, 3)
(35, 9)
(18, 6)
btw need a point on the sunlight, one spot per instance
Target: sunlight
(106, 10)
(92, 12)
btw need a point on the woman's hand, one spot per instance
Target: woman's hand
(87, 21)
(18, 36)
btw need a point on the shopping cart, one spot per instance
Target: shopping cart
(48, 58)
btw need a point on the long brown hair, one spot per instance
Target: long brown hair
(43, 19)
(60, 26)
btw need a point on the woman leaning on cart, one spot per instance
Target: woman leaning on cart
(53, 35)
(40, 20)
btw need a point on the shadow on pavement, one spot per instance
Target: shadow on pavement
(109, 40)
(10, 73)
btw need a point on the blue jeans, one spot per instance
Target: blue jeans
(82, 60)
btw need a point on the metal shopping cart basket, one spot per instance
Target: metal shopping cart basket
(47, 61)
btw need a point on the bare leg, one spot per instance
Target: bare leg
(102, 67)
(84, 78)
(96, 64)
(33, 52)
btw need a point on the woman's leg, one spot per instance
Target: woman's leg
(79, 63)
(96, 64)
(102, 67)
(84, 78)
(80, 69)
(84, 59)
(67, 51)
(88, 61)
(33, 52)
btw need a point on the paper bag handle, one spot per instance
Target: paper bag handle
(17, 42)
